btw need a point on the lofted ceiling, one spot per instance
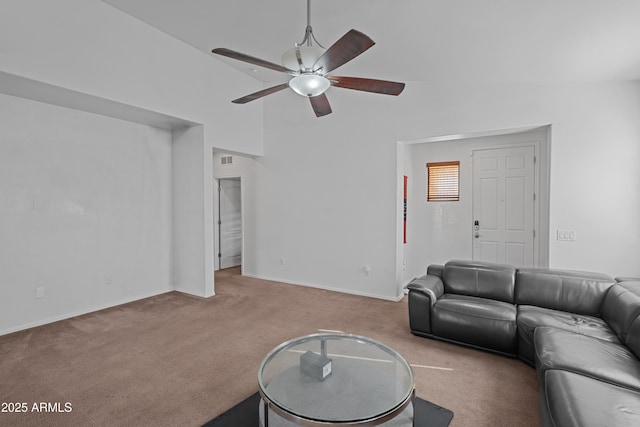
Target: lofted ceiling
(420, 40)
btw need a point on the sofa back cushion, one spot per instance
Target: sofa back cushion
(480, 279)
(435, 270)
(573, 291)
(620, 307)
(633, 337)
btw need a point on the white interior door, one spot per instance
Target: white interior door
(504, 205)
(230, 223)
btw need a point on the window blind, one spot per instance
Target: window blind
(443, 179)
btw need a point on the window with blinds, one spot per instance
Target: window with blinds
(443, 182)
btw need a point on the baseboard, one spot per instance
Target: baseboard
(79, 312)
(327, 288)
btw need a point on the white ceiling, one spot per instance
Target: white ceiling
(420, 40)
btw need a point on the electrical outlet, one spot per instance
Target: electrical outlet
(40, 292)
(107, 280)
(367, 270)
(282, 262)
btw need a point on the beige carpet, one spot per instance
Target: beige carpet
(178, 360)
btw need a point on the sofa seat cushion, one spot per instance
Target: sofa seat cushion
(530, 317)
(592, 357)
(474, 321)
(569, 399)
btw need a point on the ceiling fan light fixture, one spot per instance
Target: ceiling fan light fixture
(309, 85)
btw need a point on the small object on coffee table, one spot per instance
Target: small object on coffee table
(315, 365)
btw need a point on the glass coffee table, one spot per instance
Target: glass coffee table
(335, 379)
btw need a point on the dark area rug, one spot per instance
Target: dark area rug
(245, 414)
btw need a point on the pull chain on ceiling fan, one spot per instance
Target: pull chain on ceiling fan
(310, 67)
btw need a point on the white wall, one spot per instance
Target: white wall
(327, 189)
(93, 48)
(192, 273)
(92, 57)
(85, 212)
(326, 194)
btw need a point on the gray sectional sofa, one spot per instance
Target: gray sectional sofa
(580, 330)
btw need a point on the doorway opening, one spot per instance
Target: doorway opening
(228, 223)
(511, 197)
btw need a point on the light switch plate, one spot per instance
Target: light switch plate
(566, 235)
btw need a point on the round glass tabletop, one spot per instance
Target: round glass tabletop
(335, 378)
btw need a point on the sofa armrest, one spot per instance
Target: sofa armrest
(428, 285)
(423, 293)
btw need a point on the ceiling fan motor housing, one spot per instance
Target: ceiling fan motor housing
(308, 54)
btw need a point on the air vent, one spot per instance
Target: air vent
(226, 160)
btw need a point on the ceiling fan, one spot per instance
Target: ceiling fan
(311, 66)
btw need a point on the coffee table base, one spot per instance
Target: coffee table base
(403, 419)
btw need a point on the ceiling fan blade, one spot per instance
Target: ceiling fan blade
(260, 94)
(250, 59)
(352, 44)
(368, 85)
(320, 105)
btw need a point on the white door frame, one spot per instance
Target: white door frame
(216, 217)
